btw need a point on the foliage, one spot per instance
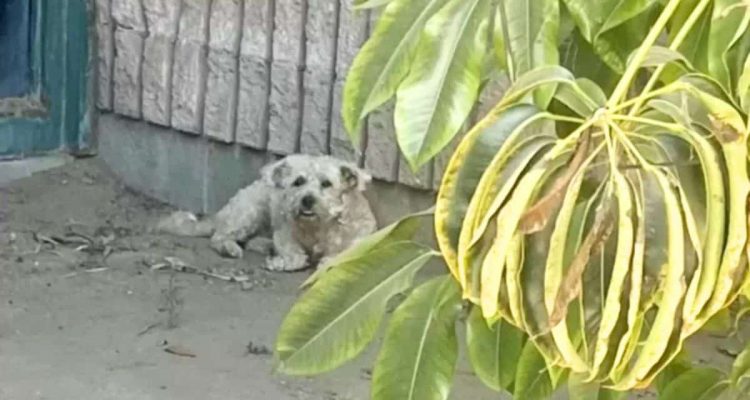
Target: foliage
(592, 221)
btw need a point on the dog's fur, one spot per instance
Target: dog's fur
(313, 205)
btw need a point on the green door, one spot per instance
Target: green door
(44, 66)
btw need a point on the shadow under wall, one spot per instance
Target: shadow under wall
(199, 175)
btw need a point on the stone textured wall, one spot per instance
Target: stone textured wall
(263, 74)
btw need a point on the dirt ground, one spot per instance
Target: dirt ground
(85, 309)
(89, 307)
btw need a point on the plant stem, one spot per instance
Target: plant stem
(645, 96)
(678, 39)
(565, 118)
(627, 78)
(672, 127)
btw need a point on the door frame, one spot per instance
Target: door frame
(57, 114)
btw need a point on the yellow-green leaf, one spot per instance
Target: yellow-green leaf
(728, 22)
(401, 230)
(494, 351)
(579, 389)
(419, 351)
(740, 374)
(335, 320)
(384, 60)
(531, 27)
(439, 92)
(696, 384)
(533, 381)
(464, 171)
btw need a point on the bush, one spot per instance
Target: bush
(592, 221)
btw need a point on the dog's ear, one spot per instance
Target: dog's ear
(353, 177)
(275, 173)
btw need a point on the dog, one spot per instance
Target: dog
(314, 206)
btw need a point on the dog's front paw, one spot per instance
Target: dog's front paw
(275, 264)
(228, 248)
(286, 264)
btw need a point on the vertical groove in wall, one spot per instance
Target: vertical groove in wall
(145, 34)
(111, 67)
(173, 61)
(204, 69)
(103, 96)
(396, 165)
(333, 76)
(301, 60)
(172, 50)
(270, 26)
(255, 49)
(238, 54)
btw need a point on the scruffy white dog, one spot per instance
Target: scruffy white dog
(313, 205)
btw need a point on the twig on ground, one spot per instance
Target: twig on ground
(179, 351)
(148, 328)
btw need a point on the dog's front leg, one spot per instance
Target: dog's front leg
(226, 247)
(241, 217)
(290, 255)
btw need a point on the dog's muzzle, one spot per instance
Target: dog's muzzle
(307, 207)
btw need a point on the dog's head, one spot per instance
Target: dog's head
(315, 188)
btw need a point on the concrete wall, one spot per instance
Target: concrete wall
(199, 174)
(265, 74)
(222, 86)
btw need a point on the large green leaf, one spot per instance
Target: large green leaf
(695, 45)
(611, 26)
(614, 45)
(579, 389)
(677, 367)
(419, 352)
(498, 39)
(439, 93)
(728, 23)
(334, 321)
(384, 60)
(573, 97)
(743, 86)
(595, 17)
(696, 384)
(401, 230)
(578, 55)
(494, 352)
(740, 374)
(533, 381)
(531, 37)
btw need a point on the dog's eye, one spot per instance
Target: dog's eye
(325, 184)
(299, 181)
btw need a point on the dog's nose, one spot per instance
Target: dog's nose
(308, 202)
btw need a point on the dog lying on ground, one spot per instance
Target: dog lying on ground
(313, 205)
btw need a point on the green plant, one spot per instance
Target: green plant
(592, 221)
